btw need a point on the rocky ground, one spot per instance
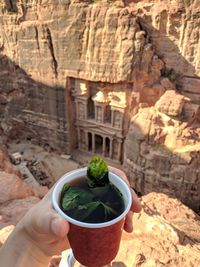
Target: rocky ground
(166, 233)
(25, 184)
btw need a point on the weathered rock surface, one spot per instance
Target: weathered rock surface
(12, 187)
(171, 103)
(16, 196)
(6, 165)
(163, 144)
(104, 35)
(166, 233)
(13, 211)
(34, 111)
(174, 30)
(162, 152)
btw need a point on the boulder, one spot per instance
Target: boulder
(12, 211)
(6, 165)
(162, 154)
(12, 187)
(171, 103)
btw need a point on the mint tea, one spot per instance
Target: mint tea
(91, 205)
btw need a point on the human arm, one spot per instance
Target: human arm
(40, 234)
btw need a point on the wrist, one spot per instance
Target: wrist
(19, 251)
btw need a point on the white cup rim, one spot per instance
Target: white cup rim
(78, 173)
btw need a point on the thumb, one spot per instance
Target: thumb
(59, 226)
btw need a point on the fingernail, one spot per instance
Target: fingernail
(56, 225)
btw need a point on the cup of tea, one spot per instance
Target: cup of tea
(94, 244)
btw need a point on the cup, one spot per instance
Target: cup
(93, 244)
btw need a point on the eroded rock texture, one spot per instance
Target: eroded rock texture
(165, 234)
(153, 46)
(16, 196)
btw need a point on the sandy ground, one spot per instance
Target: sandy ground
(54, 165)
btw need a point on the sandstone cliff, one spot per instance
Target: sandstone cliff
(151, 45)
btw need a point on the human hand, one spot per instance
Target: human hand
(42, 233)
(45, 228)
(49, 231)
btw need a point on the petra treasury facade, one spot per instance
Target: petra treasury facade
(101, 117)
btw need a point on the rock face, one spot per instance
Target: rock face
(29, 110)
(16, 197)
(165, 234)
(12, 187)
(6, 165)
(96, 42)
(162, 153)
(149, 47)
(174, 31)
(14, 210)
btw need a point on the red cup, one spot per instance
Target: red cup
(94, 244)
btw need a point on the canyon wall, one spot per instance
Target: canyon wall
(153, 45)
(163, 143)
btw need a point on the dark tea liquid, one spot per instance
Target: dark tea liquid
(113, 198)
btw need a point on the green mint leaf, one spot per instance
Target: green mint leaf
(97, 172)
(116, 190)
(100, 191)
(108, 210)
(84, 211)
(73, 197)
(69, 201)
(64, 189)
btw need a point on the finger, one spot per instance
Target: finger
(46, 223)
(55, 224)
(119, 173)
(136, 205)
(128, 225)
(59, 226)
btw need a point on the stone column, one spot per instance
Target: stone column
(95, 112)
(119, 149)
(85, 108)
(78, 134)
(122, 119)
(111, 148)
(93, 143)
(77, 111)
(104, 146)
(86, 141)
(112, 117)
(103, 113)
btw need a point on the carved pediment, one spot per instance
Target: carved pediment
(117, 99)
